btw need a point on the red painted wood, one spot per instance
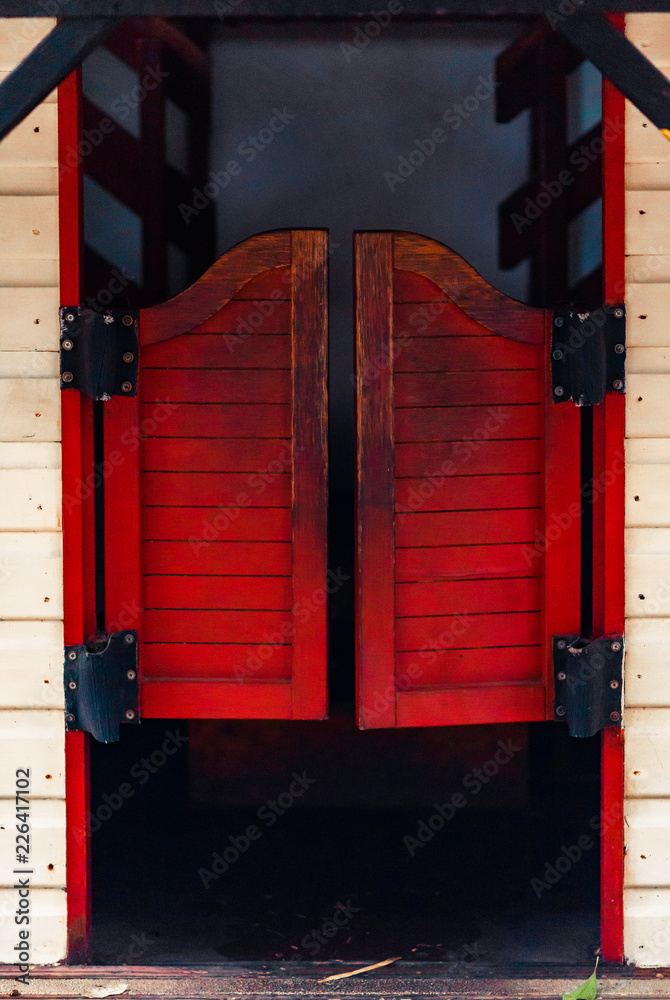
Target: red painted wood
(207, 524)
(309, 252)
(486, 458)
(216, 350)
(237, 661)
(76, 557)
(433, 667)
(208, 626)
(608, 579)
(247, 318)
(215, 454)
(226, 449)
(516, 628)
(443, 492)
(460, 527)
(463, 423)
(375, 546)
(218, 699)
(466, 354)
(430, 597)
(204, 489)
(452, 706)
(217, 420)
(456, 562)
(219, 386)
(484, 466)
(217, 558)
(493, 388)
(233, 592)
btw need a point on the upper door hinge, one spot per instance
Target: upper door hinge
(101, 688)
(588, 353)
(588, 678)
(99, 351)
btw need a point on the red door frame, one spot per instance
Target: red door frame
(608, 526)
(79, 616)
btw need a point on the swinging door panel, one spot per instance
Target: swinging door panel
(222, 507)
(468, 494)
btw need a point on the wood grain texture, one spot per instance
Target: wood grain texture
(217, 286)
(375, 546)
(309, 321)
(467, 289)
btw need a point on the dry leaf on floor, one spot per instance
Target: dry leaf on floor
(98, 992)
(359, 972)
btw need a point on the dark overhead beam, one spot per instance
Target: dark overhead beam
(226, 9)
(621, 62)
(47, 65)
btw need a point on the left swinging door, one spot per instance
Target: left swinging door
(216, 494)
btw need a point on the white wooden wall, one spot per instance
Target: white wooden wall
(647, 671)
(31, 590)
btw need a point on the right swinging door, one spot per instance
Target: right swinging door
(468, 505)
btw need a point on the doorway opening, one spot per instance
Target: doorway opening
(464, 844)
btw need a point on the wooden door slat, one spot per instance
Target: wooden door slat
(431, 597)
(462, 354)
(219, 351)
(209, 524)
(465, 492)
(189, 385)
(206, 489)
(213, 626)
(236, 661)
(267, 456)
(461, 527)
(217, 420)
(465, 388)
(233, 593)
(217, 558)
(486, 458)
(465, 423)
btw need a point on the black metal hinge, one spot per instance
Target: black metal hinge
(588, 679)
(99, 351)
(101, 688)
(588, 354)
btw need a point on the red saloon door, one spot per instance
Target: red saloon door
(215, 533)
(468, 494)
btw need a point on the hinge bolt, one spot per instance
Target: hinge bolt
(67, 345)
(557, 355)
(130, 714)
(618, 313)
(69, 317)
(67, 377)
(616, 646)
(617, 384)
(72, 655)
(131, 675)
(128, 357)
(619, 348)
(558, 321)
(560, 676)
(127, 386)
(561, 644)
(107, 319)
(614, 716)
(559, 390)
(560, 710)
(614, 685)
(129, 637)
(127, 321)
(72, 685)
(69, 717)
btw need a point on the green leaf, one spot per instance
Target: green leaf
(587, 991)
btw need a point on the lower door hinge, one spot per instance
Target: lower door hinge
(99, 351)
(101, 688)
(588, 679)
(588, 353)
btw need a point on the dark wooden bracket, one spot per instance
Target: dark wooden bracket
(99, 351)
(61, 51)
(588, 680)
(101, 688)
(588, 354)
